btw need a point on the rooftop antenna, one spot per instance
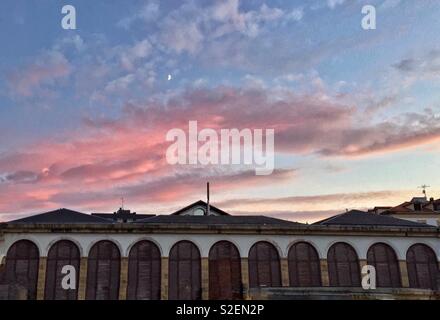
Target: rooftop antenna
(122, 203)
(207, 196)
(424, 187)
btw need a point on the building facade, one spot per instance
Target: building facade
(190, 255)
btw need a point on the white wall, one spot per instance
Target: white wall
(204, 242)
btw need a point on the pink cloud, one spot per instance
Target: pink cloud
(106, 159)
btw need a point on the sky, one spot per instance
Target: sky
(84, 113)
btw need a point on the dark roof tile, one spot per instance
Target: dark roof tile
(361, 218)
(60, 216)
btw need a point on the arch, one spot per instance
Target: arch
(384, 259)
(103, 271)
(144, 271)
(264, 265)
(61, 253)
(343, 266)
(184, 282)
(21, 268)
(224, 272)
(422, 267)
(319, 250)
(149, 239)
(113, 241)
(304, 265)
(70, 239)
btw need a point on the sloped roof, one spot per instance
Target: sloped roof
(361, 218)
(217, 220)
(201, 203)
(61, 216)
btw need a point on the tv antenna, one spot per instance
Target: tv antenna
(208, 209)
(122, 203)
(424, 187)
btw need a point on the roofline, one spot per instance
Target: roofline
(166, 228)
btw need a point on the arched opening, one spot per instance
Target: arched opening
(264, 266)
(422, 267)
(62, 253)
(184, 272)
(343, 266)
(384, 259)
(144, 272)
(304, 266)
(21, 268)
(103, 271)
(224, 272)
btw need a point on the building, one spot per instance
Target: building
(419, 209)
(191, 254)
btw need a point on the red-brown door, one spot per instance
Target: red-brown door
(422, 266)
(61, 254)
(384, 259)
(224, 272)
(21, 269)
(264, 266)
(184, 272)
(304, 266)
(103, 272)
(144, 272)
(343, 266)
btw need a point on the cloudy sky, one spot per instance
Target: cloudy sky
(84, 113)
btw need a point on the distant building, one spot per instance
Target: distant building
(419, 209)
(202, 252)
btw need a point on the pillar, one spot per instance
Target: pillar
(123, 279)
(404, 274)
(245, 277)
(324, 273)
(164, 278)
(362, 263)
(284, 272)
(82, 283)
(205, 279)
(41, 278)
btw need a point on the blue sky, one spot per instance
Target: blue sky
(83, 112)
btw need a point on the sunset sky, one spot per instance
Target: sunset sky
(84, 113)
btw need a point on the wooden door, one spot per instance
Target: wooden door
(224, 272)
(184, 272)
(61, 254)
(144, 272)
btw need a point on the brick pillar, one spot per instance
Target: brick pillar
(404, 274)
(123, 279)
(362, 263)
(164, 278)
(284, 273)
(41, 278)
(82, 283)
(205, 279)
(324, 273)
(245, 277)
